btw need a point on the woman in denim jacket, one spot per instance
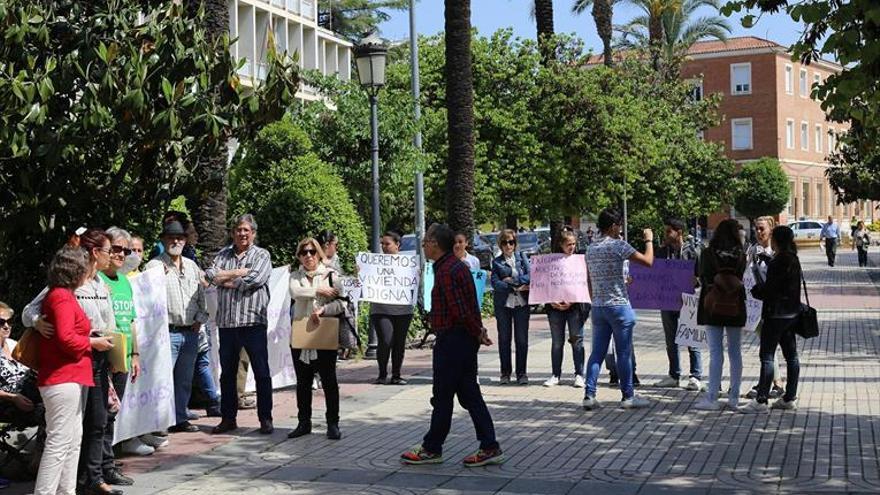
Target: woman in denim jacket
(510, 281)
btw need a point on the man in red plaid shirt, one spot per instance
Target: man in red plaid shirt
(455, 320)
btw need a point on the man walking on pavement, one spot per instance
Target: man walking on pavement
(241, 273)
(455, 320)
(674, 248)
(830, 235)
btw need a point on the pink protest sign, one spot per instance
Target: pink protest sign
(558, 278)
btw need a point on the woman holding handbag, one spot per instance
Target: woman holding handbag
(314, 288)
(510, 279)
(722, 309)
(781, 294)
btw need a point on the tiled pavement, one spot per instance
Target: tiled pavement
(831, 445)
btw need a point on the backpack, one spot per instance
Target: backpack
(724, 295)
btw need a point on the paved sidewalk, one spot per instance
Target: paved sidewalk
(830, 445)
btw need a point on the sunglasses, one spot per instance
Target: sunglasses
(120, 249)
(308, 252)
(5, 323)
(508, 243)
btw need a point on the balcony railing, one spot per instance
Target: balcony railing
(308, 9)
(293, 6)
(278, 3)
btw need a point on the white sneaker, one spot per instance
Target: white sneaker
(754, 407)
(668, 382)
(136, 447)
(694, 384)
(590, 403)
(154, 441)
(635, 402)
(707, 405)
(579, 382)
(786, 405)
(552, 381)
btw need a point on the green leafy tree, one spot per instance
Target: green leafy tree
(105, 108)
(293, 194)
(354, 19)
(761, 188)
(848, 33)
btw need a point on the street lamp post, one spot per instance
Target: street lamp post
(370, 56)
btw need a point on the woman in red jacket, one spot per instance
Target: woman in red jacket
(65, 371)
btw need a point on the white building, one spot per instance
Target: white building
(294, 24)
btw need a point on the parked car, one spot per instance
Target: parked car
(528, 243)
(807, 230)
(485, 251)
(409, 244)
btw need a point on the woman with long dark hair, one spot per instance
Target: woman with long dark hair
(391, 323)
(722, 309)
(781, 293)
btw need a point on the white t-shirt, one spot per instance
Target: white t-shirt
(605, 259)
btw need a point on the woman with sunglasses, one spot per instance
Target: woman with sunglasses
(93, 297)
(510, 279)
(391, 322)
(314, 288)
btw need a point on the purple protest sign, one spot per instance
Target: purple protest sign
(661, 286)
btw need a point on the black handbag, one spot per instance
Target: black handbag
(348, 336)
(807, 325)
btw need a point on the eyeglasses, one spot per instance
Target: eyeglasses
(308, 252)
(105, 250)
(5, 322)
(510, 242)
(120, 249)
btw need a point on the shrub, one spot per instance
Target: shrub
(293, 195)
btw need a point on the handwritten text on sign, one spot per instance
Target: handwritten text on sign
(753, 306)
(688, 332)
(661, 286)
(480, 277)
(388, 278)
(558, 278)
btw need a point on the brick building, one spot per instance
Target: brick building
(767, 110)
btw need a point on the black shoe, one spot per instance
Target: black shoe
(333, 432)
(225, 425)
(213, 412)
(370, 354)
(636, 382)
(380, 381)
(115, 477)
(302, 429)
(101, 489)
(397, 381)
(613, 380)
(266, 427)
(185, 427)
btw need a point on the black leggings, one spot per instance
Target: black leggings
(91, 457)
(391, 331)
(325, 367)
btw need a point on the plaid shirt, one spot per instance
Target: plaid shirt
(246, 303)
(454, 297)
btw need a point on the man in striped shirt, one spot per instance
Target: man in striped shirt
(241, 273)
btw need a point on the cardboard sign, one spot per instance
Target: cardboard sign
(688, 332)
(308, 335)
(388, 278)
(753, 306)
(661, 286)
(558, 278)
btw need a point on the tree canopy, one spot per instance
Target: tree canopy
(761, 188)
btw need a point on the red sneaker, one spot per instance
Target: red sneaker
(484, 458)
(417, 456)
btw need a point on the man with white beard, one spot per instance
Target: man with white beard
(187, 311)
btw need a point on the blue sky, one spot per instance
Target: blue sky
(489, 15)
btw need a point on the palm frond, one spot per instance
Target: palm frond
(579, 6)
(705, 27)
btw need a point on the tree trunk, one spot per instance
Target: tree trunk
(546, 31)
(655, 39)
(602, 14)
(511, 222)
(459, 117)
(208, 208)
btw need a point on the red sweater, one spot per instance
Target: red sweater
(67, 356)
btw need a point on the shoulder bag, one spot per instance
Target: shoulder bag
(808, 321)
(27, 351)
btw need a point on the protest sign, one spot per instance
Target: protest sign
(688, 332)
(558, 278)
(480, 277)
(388, 278)
(661, 286)
(753, 306)
(278, 336)
(148, 403)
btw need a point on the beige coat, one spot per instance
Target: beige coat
(305, 298)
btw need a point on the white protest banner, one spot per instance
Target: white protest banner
(148, 403)
(558, 278)
(753, 306)
(278, 337)
(388, 278)
(688, 332)
(351, 288)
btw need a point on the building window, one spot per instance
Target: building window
(791, 198)
(817, 136)
(701, 135)
(696, 89)
(832, 141)
(741, 79)
(789, 134)
(805, 199)
(805, 136)
(820, 199)
(741, 134)
(803, 83)
(789, 79)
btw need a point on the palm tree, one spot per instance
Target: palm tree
(354, 19)
(602, 12)
(543, 10)
(459, 116)
(678, 28)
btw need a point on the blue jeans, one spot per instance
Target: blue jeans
(670, 327)
(255, 342)
(184, 348)
(608, 322)
(779, 333)
(205, 379)
(715, 335)
(513, 325)
(558, 321)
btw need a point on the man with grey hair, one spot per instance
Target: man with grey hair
(241, 273)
